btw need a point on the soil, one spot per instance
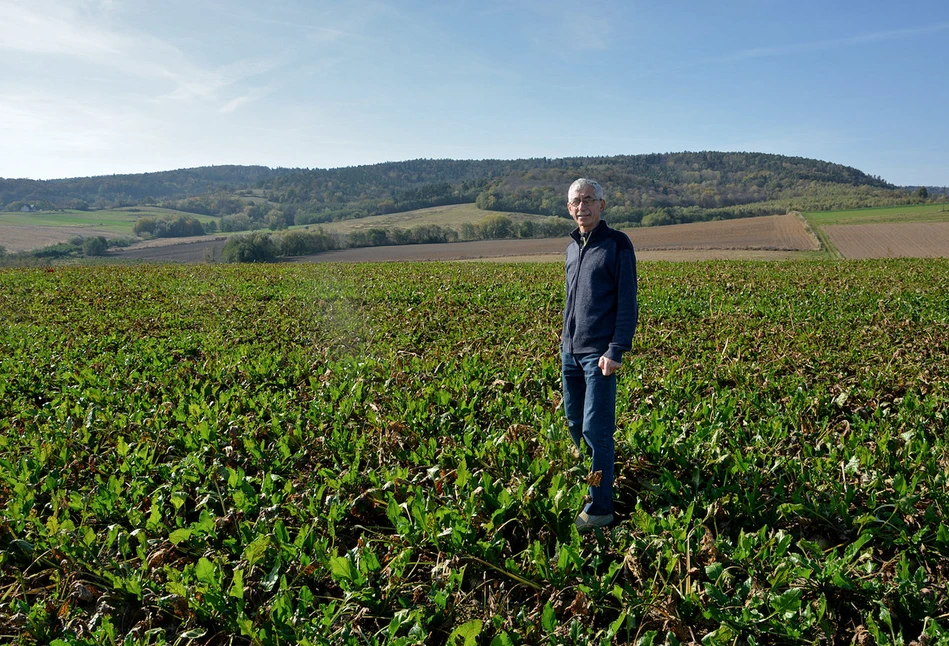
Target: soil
(908, 240)
(16, 237)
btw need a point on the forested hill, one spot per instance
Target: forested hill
(127, 190)
(651, 189)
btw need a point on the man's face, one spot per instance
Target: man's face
(585, 208)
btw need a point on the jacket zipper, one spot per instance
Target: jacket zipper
(576, 281)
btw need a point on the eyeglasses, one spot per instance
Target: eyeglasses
(587, 201)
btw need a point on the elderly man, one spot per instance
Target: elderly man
(599, 321)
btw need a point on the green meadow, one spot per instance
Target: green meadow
(881, 215)
(118, 221)
(452, 216)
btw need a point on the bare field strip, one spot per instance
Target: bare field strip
(156, 243)
(466, 252)
(767, 233)
(667, 255)
(197, 251)
(905, 240)
(16, 238)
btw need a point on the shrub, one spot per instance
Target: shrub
(432, 233)
(236, 222)
(176, 227)
(96, 246)
(496, 227)
(301, 243)
(554, 227)
(144, 227)
(255, 247)
(60, 250)
(658, 218)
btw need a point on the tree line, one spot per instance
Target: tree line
(261, 246)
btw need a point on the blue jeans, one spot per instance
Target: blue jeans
(589, 401)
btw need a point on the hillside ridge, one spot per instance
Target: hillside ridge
(658, 188)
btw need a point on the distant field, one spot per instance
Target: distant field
(15, 238)
(917, 231)
(453, 215)
(906, 240)
(24, 231)
(114, 220)
(908, 231)
(766, 233)
(457, 214)
(882, 215)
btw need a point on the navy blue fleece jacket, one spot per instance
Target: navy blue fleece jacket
(602, 310)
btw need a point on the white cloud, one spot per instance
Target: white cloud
(244, 99)
(835, 43)
(82, 39)
(59, 29)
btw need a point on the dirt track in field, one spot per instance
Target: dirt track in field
(906, 240)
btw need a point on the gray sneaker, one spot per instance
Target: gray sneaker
(586, 522)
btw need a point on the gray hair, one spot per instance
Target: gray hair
(584, 183)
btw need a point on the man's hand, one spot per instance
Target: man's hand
(607, 366)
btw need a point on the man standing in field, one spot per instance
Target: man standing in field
(599, 321)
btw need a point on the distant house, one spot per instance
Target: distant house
(27, 208)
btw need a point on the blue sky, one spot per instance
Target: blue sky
(92, 87)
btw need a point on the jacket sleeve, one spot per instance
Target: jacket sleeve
(627, 305)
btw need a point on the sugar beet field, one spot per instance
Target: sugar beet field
(375, 454)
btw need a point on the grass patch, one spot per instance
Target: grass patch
(117, 221)
(454, 216)
(877, 215)
(881, 215)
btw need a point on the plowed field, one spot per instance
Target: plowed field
(909, 240)
(16, 238)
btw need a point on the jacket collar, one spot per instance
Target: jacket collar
(598, 232)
